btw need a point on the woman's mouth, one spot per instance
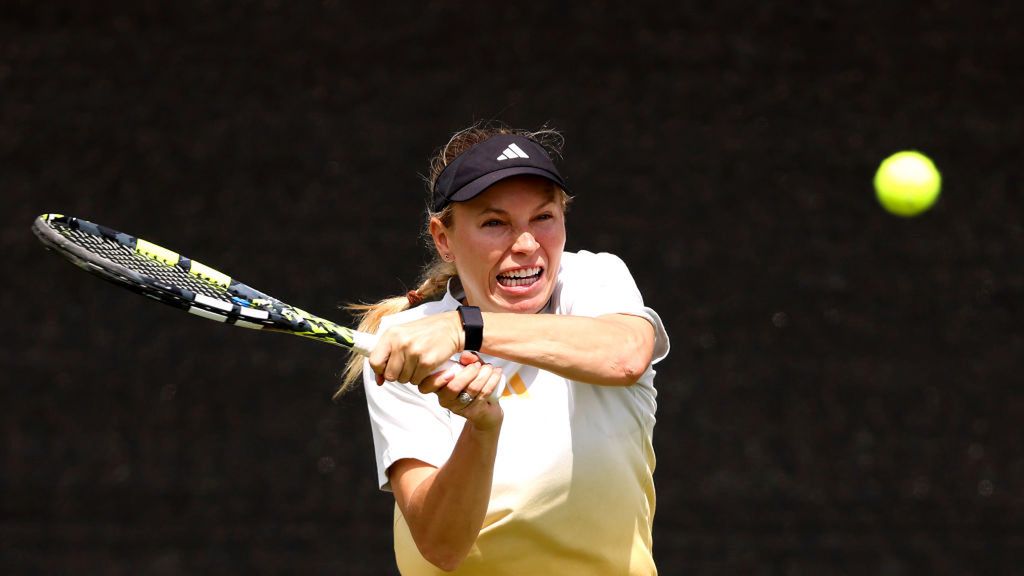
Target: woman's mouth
(520, 277)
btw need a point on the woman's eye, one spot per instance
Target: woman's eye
(545, 216)
(491, 223)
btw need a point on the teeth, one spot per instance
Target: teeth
(521, 277)
(522, 272)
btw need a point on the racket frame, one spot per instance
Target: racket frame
(266, 312)
(271, 314)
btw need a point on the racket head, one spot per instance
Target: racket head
(178, 281)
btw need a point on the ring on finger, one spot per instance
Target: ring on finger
(465, 398)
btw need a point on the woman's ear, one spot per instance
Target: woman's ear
(439, 232)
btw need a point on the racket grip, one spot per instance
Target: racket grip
(363, 343)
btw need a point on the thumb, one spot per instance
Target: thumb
(468, 357)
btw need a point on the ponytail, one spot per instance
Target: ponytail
(432, 287)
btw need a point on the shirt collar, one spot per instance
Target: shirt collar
(454, 293)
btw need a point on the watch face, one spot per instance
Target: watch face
(473, 326)
(471, 316)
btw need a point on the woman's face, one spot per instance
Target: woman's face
(507, 243)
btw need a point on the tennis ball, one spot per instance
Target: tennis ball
(907, 183)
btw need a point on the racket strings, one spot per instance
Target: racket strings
(123, 255)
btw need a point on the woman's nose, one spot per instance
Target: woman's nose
(525, 243)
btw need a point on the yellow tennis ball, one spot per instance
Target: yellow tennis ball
(907, 183)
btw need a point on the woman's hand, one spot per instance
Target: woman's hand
(477, 380)
(408, 353)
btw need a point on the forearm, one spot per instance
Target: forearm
(446, 509)
(612, 350)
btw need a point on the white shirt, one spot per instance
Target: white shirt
(573, 491)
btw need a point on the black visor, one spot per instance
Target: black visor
(488, 162)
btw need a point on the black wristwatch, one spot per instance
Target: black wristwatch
(473, 326)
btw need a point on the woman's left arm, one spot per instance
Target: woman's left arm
(609, 350)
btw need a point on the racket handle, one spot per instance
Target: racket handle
(363, 343)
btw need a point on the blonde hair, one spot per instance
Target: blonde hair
(434, 278)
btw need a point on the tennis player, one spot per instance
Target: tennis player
(556, 478)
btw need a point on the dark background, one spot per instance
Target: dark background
(844, 392)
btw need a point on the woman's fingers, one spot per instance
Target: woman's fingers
(463, 390)
(378, 359)
(468, 357)
(393, 367)
(467, 391)
(437, 380)
(392, 361)
(447, 395)
(407, 357)
(493, 381)
(423, 371)
(407, 369)
(482, 412)
(475, 386)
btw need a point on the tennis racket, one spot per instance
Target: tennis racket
(175, 280)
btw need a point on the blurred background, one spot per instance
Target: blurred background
(840, 396)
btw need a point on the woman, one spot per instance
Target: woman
(556, 478)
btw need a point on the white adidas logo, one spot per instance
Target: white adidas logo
(512, 151)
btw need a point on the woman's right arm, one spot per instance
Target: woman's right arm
(445, 507)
